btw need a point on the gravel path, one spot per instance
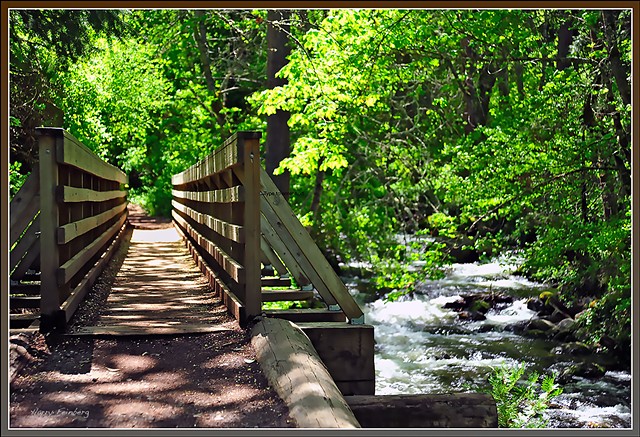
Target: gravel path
(163, 381)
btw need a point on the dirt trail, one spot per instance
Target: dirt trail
(167, 381)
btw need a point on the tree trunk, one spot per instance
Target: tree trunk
(315, 202)
(203, 48)
(565, 38)
(477, 98)
(278, 141)
(618, 68)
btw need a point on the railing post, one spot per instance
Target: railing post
(48, 142)
(251, 153)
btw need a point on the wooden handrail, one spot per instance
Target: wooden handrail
(82, 218)
(219, 216)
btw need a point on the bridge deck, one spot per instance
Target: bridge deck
(158, 290)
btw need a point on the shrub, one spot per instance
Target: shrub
(521, 402)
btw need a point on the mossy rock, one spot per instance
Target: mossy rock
(480, 306)
(545, 295)
(577, 348)
(591, 370)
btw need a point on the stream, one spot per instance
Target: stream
(422, 347)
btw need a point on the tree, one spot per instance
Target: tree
(278, 141)
(43, 43)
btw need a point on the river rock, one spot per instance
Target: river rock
(608, 342)
(577, 348)
(555, 303)
(557, 316)
(566, 324)
(474, 316)
(566, 328)
(541, 325)
(535, 304)
(517, 328)
(565, 336)
(584, 370)
(590, 370)
(457, 305)
(480, 306)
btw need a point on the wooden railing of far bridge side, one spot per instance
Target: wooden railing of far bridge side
(219, 216)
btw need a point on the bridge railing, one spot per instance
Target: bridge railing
(234, 218)
(24, 253)
(217, 208)
(83, 212)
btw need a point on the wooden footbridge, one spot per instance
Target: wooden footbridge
(69, 217)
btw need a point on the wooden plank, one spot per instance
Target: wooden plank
(285, 295)
(285, 253)
(459, 410)
(298, 315)
(276, 282)
(70, 231)
(24, 206)
(250, 149)
(72, 266)
(49, 220)
(27, 262)
(272, 257)
(225, 195)
(72, 194)
(26, 243)
(229, 299)
(285, 245)
(231, 266)
(24, 325)
(225, 229)
(218, 161)
(24, 302)
(346, 349)
(287, 219)
(32, 328)
(296, 372)
(122, 331)
(32, 276)
(24, 317)
(76, 154)
(30, 289)
(72, 302)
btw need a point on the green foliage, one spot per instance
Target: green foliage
(521, 401)
(420, 260)
(16, 179)
(43, 43)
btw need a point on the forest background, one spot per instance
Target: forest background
(401, 137)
